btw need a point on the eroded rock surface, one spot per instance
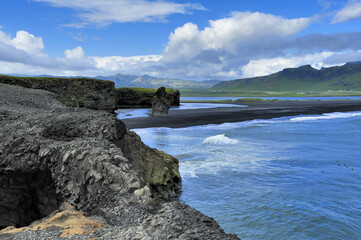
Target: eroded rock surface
(50, 154)
(160, 103)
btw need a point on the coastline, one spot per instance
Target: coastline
(267, 110)
(76, 171)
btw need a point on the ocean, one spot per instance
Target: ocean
(285, 178)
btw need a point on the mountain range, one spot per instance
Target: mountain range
(304, 78)
(146, 81)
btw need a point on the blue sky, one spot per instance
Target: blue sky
(205, 39)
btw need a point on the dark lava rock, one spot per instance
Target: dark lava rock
(50, 154)
(160, 103)
(143, 97)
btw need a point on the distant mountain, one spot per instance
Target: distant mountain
(305, 78)
(146, 81)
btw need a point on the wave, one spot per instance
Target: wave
(326, 116)
(220, 139)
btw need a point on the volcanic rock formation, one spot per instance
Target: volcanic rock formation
(160, 103)
(51, 154)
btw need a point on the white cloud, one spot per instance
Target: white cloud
(264, 67)
(219, 50)
(105, 12)
(28, 51)
(351, 11)
(76, 53)
(343, 57)
(230, 35)
(128, 65)
(28, 42)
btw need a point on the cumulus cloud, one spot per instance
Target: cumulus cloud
(28, 42)
(230, 35)
(351, 11)
(105, 12)
(220, 49)
(76, 53)
(28, 51)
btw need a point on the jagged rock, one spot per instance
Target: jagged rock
(86, 154)
(50, 154)
(160, 103)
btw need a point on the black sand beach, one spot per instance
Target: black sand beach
(193, 117)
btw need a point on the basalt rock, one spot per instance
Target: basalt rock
(160, 103)
(138, 97)
(50, 154)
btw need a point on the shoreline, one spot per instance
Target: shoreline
(267, 110)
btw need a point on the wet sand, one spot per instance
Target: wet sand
(267, 110)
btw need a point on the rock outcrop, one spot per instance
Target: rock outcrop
(138, 97)
(73, 92)
(160, 103)
(51, 154)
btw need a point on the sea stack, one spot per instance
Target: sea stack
(160, 103)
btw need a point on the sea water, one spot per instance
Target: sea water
(124, 113)
(285, 178)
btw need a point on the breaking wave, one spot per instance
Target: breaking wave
(220, 139)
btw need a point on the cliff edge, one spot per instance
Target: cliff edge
(72, 92)
(51, 155)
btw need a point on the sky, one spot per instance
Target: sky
(195, 40)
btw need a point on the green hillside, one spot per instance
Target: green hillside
(302, 79)
(146, 81)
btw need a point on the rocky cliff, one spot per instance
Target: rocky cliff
(143, 97)
(73, 92)
(51, 154)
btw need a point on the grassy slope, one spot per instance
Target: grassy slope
(305, 78)
(303, 81)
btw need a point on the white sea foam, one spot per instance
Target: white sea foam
(326, 116)
(220, 139)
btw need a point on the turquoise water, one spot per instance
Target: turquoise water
(285, 178)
